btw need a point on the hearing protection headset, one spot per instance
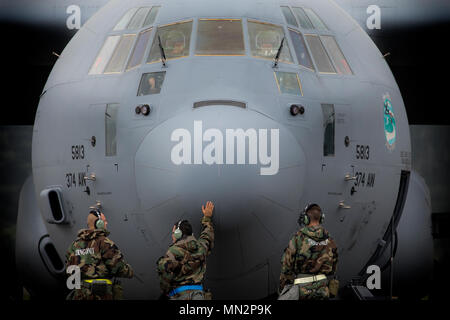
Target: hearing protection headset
(99, 223)
(178, 233)
(304, 219)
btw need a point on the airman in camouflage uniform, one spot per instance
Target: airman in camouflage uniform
(98, 258)
(182, 269)
(311, 252)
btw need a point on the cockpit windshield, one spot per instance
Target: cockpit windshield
(220, 37)
(123, 51)
(265, 40)
(175, 39)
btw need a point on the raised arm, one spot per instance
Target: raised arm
(207, 236)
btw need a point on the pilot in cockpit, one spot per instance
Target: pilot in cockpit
(174, 44)
(149, 85)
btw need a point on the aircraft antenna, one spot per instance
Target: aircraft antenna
(277, 57)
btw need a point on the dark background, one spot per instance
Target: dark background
(418, 59)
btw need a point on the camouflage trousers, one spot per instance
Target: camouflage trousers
(314, 291)
(310, 291)
(86, 293)
(189, 295)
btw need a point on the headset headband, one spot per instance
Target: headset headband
(95, 213)
(304, 218)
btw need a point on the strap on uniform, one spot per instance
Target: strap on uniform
(313, 278)
(108, 281)
(184, 288)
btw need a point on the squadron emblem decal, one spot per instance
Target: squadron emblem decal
(390, 127)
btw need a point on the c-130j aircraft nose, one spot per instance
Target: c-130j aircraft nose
(241, 160)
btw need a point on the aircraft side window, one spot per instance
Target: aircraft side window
(138, 19)
(123, 23)
(120, 55)
(319, 54)
(290, 19)
(265, 40)
(139, 48)
(111, 129)
(175, 39)
(220, 37)
(336, 55)
(303, 56)
(151, 17)
(104, 55)
(328, 129)
(314, 18)
(302, 18)
(289, 83)
(151, 83)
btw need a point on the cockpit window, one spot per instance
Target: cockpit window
(151, 83)
(290, 19)
(122, 24)
(289, 83)
(175, 40)
(120, 55)
(138, 18)
(316, 21)
(220, 37)
(139, 48)
(103, 56)
(265, 40)
(150, 19)
(300, 49)
(336, 54)
(319, 54)
(302, 18)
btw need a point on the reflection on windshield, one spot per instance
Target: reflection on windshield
(175, 39)
(120, 55)
(336, 55)
(320, 55)
(300, 49)
(220, 37)
(139, 48)
(265, 40)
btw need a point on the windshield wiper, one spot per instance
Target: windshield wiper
(277, 57)
(161, 51)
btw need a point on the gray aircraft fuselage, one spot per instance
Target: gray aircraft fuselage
(145, 188)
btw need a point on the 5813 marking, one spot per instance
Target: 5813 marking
(78, 152)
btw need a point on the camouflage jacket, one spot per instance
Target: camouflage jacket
(97, 256)
(185, 260)
(310, 251)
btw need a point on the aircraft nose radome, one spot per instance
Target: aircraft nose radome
(250, 207)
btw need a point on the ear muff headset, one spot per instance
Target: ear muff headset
(304, 219)
(99, 223)
(178, 233)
